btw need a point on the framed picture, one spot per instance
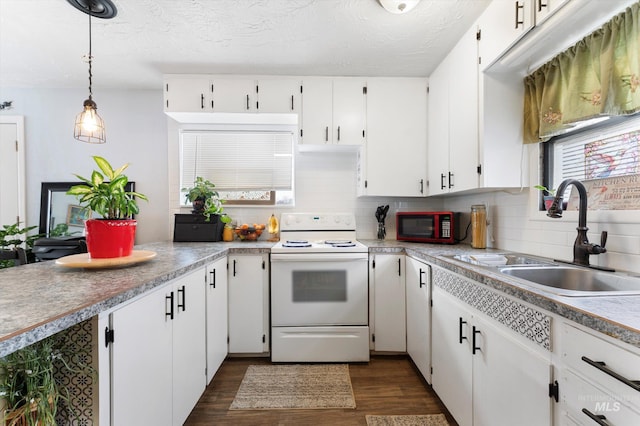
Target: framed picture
(76, 215)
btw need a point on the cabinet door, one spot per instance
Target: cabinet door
(451, 356)
(463, 113)
(389, 325)
(317, 104)
(396, 147)
(543, 9)
(349, 107)
(189, 351)
(502, 24)
(279, 96)
(234, 95)
(510, 381)
(438, 130)
(217, 312)
(141, 361)
(248, 280)
(184, 94)
(418, 292)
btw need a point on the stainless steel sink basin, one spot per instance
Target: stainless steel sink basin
(573, 281)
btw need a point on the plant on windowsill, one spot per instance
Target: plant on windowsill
(104, 193)
(548, 199)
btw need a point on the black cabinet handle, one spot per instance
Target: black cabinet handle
(420, 280)
(442, 177)
(291, 102)
(399, 270)
(518, 8)
(475, 348)
(247, 102)
(541, 5)
(213, 278)
(600, 365)
(201, 101)
(234, 267)
(326, 134)
(338, 133)
(184, 298)
(598, 418)
(461, 323)
(451, 185)
(170, 299)
(422, 186)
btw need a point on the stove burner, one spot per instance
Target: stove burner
(340, 242)
(349, 244)
(296, 243)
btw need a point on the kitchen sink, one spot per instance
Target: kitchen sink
(574, 281)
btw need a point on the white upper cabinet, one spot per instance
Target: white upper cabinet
(542, 9)
(279, 95)
(453, 120)
(187, 94)
(395, 158)
(502, 24)
(234, 95)
(333, 111)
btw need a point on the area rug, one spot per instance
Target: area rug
(425, 420)
(295, 386)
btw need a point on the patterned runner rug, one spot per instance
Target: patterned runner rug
(424, 420)
(295, 386)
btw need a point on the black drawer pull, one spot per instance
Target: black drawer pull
(170, 299)
(600, 365)
(182, 305)
(421, 282)
(518, 8)
(213, 278)
(598, 418)
(461, 323)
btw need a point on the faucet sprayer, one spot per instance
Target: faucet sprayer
(582, 248)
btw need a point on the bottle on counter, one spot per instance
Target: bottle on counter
(478, 226)
(273, 228)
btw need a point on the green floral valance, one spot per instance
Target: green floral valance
(598, 77)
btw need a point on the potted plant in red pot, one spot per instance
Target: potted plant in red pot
(113, 235)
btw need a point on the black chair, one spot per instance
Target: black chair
(18, 255)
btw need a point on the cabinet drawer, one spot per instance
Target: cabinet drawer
(579, 395)
(607, 360)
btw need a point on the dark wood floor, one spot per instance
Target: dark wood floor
(388, 385)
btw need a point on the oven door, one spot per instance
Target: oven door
(312, 289)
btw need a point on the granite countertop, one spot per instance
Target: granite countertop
(38, 300)
(616, 316)
(41, 299)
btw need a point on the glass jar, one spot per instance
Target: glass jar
(227, 233)
(478, 226)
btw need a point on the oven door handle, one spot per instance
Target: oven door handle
(319, 257)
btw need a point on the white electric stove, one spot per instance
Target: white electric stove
(319, 290)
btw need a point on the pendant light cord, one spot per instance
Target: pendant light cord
(90, 59)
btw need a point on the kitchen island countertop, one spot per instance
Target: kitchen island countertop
(38, 300)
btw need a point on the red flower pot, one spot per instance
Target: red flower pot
(108, 238)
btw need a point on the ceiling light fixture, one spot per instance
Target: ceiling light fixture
(89, 126)
(398, 6)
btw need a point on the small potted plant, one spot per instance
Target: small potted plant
(27, 384)
(113, 235)
(548, 199)
(202, 192)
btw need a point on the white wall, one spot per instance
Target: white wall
(136, 134)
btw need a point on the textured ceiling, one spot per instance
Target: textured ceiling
(42, 41)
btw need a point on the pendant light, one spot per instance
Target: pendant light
(89, 126)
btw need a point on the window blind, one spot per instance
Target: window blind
(238, 160)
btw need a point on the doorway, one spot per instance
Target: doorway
(12, 170)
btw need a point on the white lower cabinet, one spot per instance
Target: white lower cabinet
(158, 354)
(388, 325)
(217, 315)
(599, 381)
(248, 303)
(482, 372)
(418, 299)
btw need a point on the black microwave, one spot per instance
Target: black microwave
(428, 227)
